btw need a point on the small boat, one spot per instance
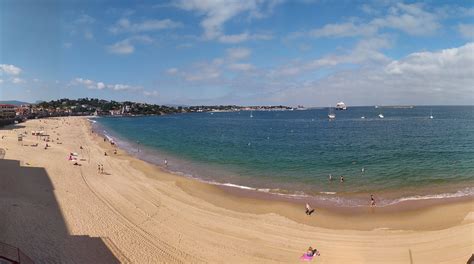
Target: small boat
(331, 115)
(362, 117)
(381, 116)
(431, 114)
(251, 114)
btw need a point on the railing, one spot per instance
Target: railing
(14, 254)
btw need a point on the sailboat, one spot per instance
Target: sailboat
(431, 113)
(380, 114)
(331, 115)
(251, 114)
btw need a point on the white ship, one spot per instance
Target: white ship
(341, 106)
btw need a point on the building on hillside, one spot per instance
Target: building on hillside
(7, 114)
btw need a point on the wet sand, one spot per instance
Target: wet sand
(142, 214)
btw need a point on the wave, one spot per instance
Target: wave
(468, 191)
(340, 201)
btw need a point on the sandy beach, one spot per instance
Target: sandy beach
(134, 212)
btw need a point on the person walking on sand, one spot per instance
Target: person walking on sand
(309, 210)
(166, 163)
(98, 168)
(372, 201)
(342, 178)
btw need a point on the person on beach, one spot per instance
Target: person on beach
(309, 210)
(342, 178)
(105, 153)
(98, 168)
(166, 163)
(312, 252)
(102, 169)
(330, 177)
(372, 200)
(115, 152)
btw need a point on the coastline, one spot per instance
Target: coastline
(396, 201)
(244, 200)
(151, 216)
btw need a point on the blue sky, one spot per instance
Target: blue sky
(245, 52)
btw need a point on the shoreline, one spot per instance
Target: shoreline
(242, 200)
(328, 200)
(135, 212)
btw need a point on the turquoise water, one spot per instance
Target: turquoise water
(406, 155)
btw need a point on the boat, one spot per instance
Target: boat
(331, 115)
(362, 117)
(251, 114)
(431, 114)
(381, 116)
(341, 106)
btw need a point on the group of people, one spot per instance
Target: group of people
(341, 178)
(100, 168)
(309, 254)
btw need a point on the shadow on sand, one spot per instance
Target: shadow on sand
(32, 221)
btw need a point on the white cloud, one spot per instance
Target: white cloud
(241, 66)
(120, 87)
(439, 77)
(454, 63)
(124, 25)
(17, 80)
(100, 85)
(238, 38)
(213, 71)
(238, 53)
(172, 71)
(84, 19)
(151, 93)
(466, 31)
(10, 69)
(232, 39)
(216, 13)
(121, 47)
(412, 19)
(93, 85)
(348, 29)
(365, 53)
(126, 46)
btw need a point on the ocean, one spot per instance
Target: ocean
(404, 156)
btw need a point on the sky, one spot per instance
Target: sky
(246, 52)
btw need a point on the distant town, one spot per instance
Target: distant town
(10, 113)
